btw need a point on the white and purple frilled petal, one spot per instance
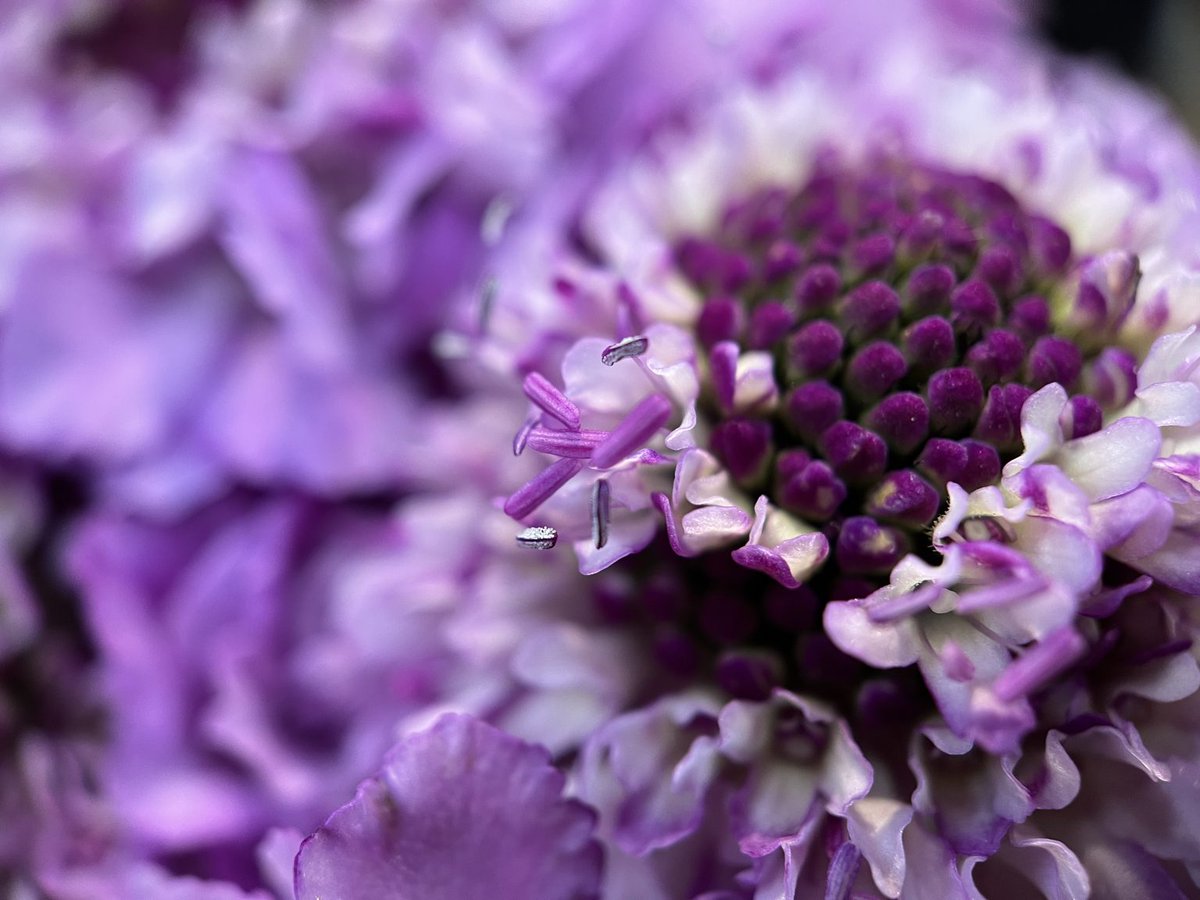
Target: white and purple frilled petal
(785, 768)
(459, 811)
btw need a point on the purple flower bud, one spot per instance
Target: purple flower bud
(811, 408)
(874, 370)
(864, 547)
(711, 265)
(1030, 318)
(795, 609)
(727, 618)
(929, 345)
(831, 241)
(810, 489)
(768, 323)
(1009, 228)
(721, 319)
(943, 461)
(1053, 359)
(928, 289)
(955, 399)
(857, 455)
(922, 234)
(1049, 245)
(983, 465)
(905, 498)
(974, 308)
(873, 254)
(999, 266)
(744, 446)
(664, 600)
(817, 288)
(1000, 422)
(869, 311)
(782, 259)
(789, 463)
(736, 273)
(902, 420)
(997, 357)
(1083, 416)
(815, 349)
(676, 651)
(748, 675)
(959, 238)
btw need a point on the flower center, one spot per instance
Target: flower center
(907, 314)
(864, 342)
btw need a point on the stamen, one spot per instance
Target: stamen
(600, 510)
(538, 537)
(894, 608)
(553, 401)
(1036, 666)
(625, 348)
(487, 300)
(843, 869)
(495, 218)
(541, 488)
(635, 430)
(574, 444)
(521, 438)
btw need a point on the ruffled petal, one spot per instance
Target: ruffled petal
(460, 811)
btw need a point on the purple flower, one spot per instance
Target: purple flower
(860, 387)
(802, 500)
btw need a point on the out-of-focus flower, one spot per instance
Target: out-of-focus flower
(866, 383)
(267, 219)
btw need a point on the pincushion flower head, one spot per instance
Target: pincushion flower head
(866, 397)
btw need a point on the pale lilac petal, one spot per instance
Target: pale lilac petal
(776, 807)
(1061, 551)
(1123, 869)
(459, 811)
(790, 562)
(1175, 564)
(272, 230)
(876, 826)
(930, 867)
(598, 388)
(1057, 782)
(1134, 524)
(714, 526)
(1114, 460)
(1040, 429)
(1175, 403)
(655, 769)
(886, 645)
(1049, 864)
